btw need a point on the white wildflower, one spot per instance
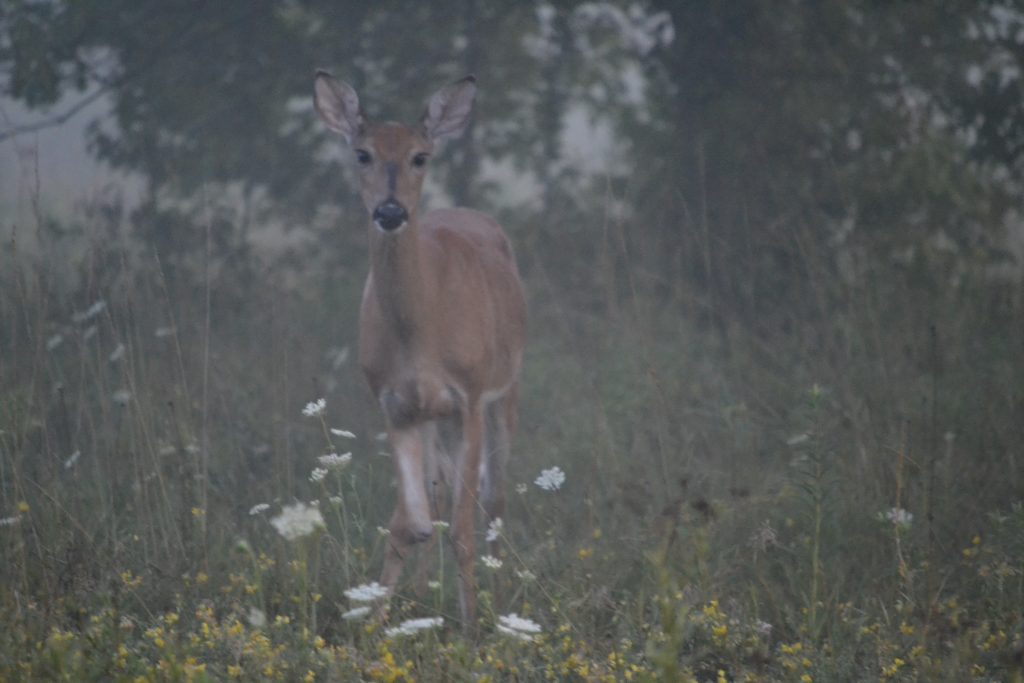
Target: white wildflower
(335, 500)
(551, 479)
(413, 626)
(9, 521)
(90, 312)
(315, 408)
(763, 628)
(434, 585)
(259, 508)
(117, 354)
(122, 397)
(440, 524)
(526, 575)
(70, 462)
(368, 592)
(491, 562)
(54, 341)
(494, 529)
(897, 516)
(521, 489)
(298, 520)
(257, 619)
(335, 461)
(356, 613)
(317, 474)
(343, 433)
(518, 627)
(383, 531)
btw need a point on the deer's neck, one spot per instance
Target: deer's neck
(404, 292)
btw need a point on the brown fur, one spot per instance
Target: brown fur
(442, 330)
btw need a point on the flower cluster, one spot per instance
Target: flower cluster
(494, 529)
(518, 627)
(298, 520)
(551, 479)
(413, 626)
(315, 408)
(335, 461)
(367, 592)
(897, 517)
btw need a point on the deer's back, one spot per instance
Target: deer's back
(482, 305)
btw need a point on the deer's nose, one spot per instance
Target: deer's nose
(390, 215)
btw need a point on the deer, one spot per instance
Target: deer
(442, 328)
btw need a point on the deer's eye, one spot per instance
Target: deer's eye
(363, 157)
(420, 160)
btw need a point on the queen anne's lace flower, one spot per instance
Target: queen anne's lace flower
(491, 562)
(258, 508)
(412, 626)
(298, 520)
(551, 479)
(335, 461)
(368, 592)
(898, 517)
(317, 474)
(315, 408)
(356, 613)
(257, 619)
(518, 627)
(494, 529)
(343, 433)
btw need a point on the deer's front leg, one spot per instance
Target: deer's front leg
(411, 522)
(438, 467)
(467, 477)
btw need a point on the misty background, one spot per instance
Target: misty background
(773, 254)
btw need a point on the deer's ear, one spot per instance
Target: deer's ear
(338, 105)
(448, 110)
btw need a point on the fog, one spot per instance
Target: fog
(767, 423)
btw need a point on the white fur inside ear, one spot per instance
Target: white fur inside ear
(338, 105)
(448, 110)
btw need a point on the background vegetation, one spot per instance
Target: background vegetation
(777, 333)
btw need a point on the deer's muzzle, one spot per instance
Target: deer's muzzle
(390, 215)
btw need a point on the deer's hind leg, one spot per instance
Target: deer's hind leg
(464, 493)
(501, 416)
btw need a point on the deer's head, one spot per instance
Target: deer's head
(392, 157)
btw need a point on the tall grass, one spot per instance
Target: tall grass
(832, 496)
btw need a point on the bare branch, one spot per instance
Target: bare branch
(56, 119)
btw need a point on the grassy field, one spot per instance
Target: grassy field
(835, 496)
